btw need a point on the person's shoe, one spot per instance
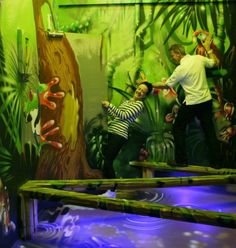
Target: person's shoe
(109, 194)
(65, 210)
(54, 216)
(173, 163)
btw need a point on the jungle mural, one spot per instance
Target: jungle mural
(43, 132)
(145, 32)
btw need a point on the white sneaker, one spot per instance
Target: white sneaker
(109, 194)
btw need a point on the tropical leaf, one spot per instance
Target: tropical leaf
(201, 16)
(171, 14)
(173, 28)
(150, 113)
(187, 25)
(5, 164)
(213, 11)
(185, 14)
(122, 92)
(2, 58)
(157, 13)
(5, 155)
(193, 20)
(16, 161)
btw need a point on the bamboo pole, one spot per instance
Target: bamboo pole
(29, 217)
(132, 207)
(162, 166)
(132, 183)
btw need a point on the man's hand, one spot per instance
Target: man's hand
(161, 85)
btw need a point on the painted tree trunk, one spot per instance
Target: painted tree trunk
(63, 154)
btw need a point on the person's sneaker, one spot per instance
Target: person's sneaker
(65, 210)
(177, 164)
(54, 216)
(109, 194)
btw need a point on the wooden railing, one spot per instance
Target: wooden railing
(149, 168)
(67, 192)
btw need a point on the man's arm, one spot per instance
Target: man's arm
(207, 45)
(160, 85)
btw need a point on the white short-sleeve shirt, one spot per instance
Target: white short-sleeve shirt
(191, 75)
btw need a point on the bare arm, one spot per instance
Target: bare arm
(160, 85)
(123, 113)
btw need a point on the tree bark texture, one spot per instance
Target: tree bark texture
(63, 154)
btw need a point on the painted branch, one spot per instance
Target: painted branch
(133, 207)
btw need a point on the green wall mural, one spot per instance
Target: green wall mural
(59, 60)
(145, 32)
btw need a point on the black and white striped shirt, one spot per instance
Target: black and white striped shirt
(123, 116)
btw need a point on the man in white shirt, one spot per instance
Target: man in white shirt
(191, 74)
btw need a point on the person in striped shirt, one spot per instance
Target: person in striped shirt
(118, 128)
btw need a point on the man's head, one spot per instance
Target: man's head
(144, 89)
(177, 52)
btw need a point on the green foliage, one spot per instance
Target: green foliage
(77, 27)
(17, 160)
(6, 162)
(2, 58)
(188, 16)
(96, 140)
